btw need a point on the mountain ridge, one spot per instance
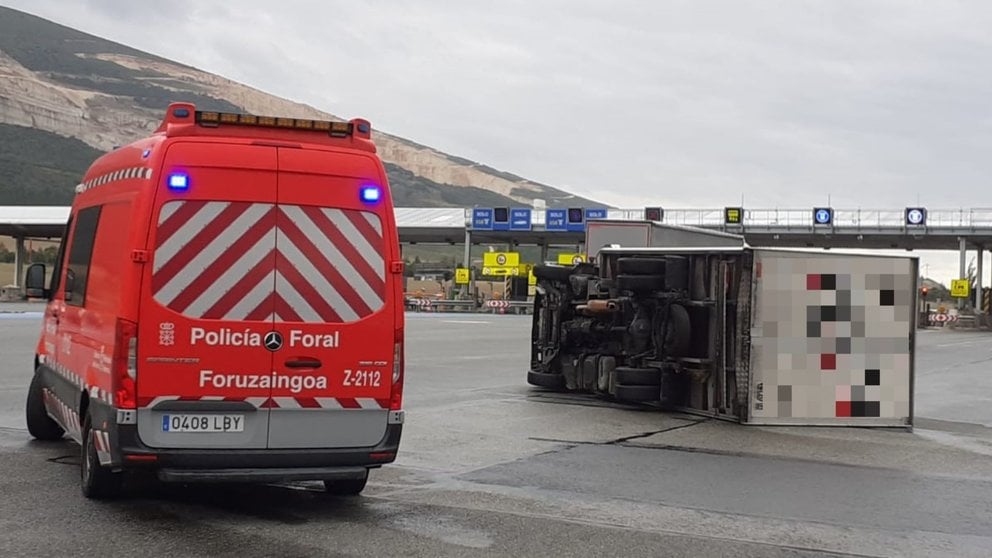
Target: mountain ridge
(62, 81)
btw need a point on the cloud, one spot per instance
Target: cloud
(680, 103)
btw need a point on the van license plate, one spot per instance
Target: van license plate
(203, 423)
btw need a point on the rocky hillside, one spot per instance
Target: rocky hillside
(67, 92)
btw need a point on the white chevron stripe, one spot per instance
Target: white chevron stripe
(301, 260)
(215, 249)
(306, 268)
(255, 297)
(168, 209)
(180, 238)
(235, 273)
(357, 239)
(367, 403)
(328, 403)
(330, 252)
(373, 220)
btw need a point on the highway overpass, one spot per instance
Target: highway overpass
(966, 229)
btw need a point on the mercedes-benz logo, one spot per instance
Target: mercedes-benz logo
(272, 341)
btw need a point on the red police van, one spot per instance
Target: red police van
(226, 306)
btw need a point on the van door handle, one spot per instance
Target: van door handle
(303, 363)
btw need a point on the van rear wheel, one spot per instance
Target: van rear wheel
(346, 487)
(40, 425)
(98, 482)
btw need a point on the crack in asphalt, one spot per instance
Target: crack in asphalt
(619, 441)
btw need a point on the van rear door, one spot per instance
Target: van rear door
(333, 304)
(204, 373)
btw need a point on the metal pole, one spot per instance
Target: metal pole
(467, 261)
(19, 258)
(963, 254)
(977, 295)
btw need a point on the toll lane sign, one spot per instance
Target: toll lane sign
(570, 259)
(554, 220)
(501, 259)
(960, 288)
(520, 219)
(461, 276)
(482, 219)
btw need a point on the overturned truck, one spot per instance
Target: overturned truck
(696, 321)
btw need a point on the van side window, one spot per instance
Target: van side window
(80, 253)
(56, 279)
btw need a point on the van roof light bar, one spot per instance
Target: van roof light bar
(213, 119)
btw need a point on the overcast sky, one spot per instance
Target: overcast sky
(679, 103)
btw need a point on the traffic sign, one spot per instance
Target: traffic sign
(823, 216)
(654, 213)
(461, 276)
(501, 218)
(943, 318)
(555, 220)
(595, 213)
(500, 259)
(570, 259)
(576, 220)
(733, 215)
(482, 218)
(916, 216)
(520, 219)
(960, 288)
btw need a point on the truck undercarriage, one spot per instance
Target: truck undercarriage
(647, 327)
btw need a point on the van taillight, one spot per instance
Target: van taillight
(125, 370)
(396, 396)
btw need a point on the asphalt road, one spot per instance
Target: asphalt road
(490, 467)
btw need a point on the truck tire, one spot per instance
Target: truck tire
(638, 376)
(638, 393)
(98, 482)
(640, 283)
(641, 266)
(542, 379)
(346, 487)
(553, 273)
(40, 425)
(678, 336)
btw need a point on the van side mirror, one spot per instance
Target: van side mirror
(34, 281)
(70, 283)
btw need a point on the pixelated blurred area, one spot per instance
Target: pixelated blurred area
(834, 336)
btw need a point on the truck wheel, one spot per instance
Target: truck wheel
(640, 283)
(641, 266)
(638, 393)
(542, 379)
(346, 487)
(552, 273)
(638, 376)
(678, 335)
(98, 482)
(40, 425)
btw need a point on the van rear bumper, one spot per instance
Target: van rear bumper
(256, 465)
(266, 474)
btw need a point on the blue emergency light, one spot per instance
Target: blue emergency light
(178, 181)
(371, 194)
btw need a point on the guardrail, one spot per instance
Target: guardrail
(842, 218)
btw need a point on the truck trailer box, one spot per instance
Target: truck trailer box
(601, 234)
(753, 335)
